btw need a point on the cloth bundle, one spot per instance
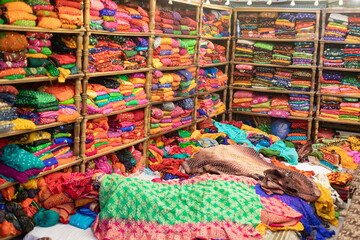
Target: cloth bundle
(285, 26)
(170, 52)
(215, 23)
(330, 107)
(70, 15)
(333, 57)
(350, 111)
(39, 107)
(187, 84)
(249, 23)
(301, 80)
(244, 51)
(299, 105)
(210, 105)
(7, 110)
(337, 27)
(305, 25)
(353, 28)
(243, 75)
(282, 79)
(267, 24)
(242, 101)
(19, 13)
(352, 56)
(116, 53)
(263, 52)
(263, 77)
(172, 22)
(279, 106)
(46, 16)
(298, 131)
(211, 53)
(211, 78)
(303, 54)
(163, 85)
(282, 54)
(102, 15)
(331, 82)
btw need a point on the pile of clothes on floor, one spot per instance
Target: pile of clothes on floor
(109, 16)
(32, 55)
(340, 83)
(211, 53)
(117, 53)
(65, 14)
(171, 115)
(343, 27)
(25, 156)
(280, 106)
(216, 23)
(167, 85)
(172, 22)
(272, 78)
(108, 94)
(105, 133)
(337, 108)
(210, 105)
(171, 52)
(211, 78)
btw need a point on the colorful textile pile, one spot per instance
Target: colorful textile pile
(171, 115)
(7, 110)
(337, 27)
(123, 162)
(244, 51)
(298, 131)
(267, 24)
(341, 183)
(211, 53)
(70, 13)
(353, 28)
(333, 57)
(48, 18)
(210, 106)
(210, 79)
(336, 108)
(350, 111)
(242, 101)
(303, 54)
(19, 13)
(282, 79)
(243, 75)
(305, 25)
(339, 83)
(330, 107)
(300, 105)
(352, 56)
(102, 15)
(263, 52)
(115, 93)
(282, 54)
(216, 23)
(171, 52)
(171, 22)
(285, 26)
(301, 80)
(263, 77)
(249, 24)
(117, 53)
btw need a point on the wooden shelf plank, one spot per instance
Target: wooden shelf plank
(275, 39)
(102, 74)
(266, 115)
(204, 118)
(214, 64)
(38, 79)
(338, 121)
(340, 69)
(338, 42)
(338, 95)
(174, 100)
(129, 34)
(175, 35)
(274, 65)
(213, 91)
(6, 27)
(114, 149)
(175, 68)
(172, 130)
(94, 116)
(271, 90)
(215, 38)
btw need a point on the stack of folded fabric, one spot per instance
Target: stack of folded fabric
(249, 24)
(304, 54)
(39, 107)
(333, 57)
(116, 53)
(353, 28)
(107, 15)
(267, 24)
(300, 105)
(285, 26)
(158, 19)
(46, 17)
(216, 23)
(210, 105)
(211, 79)
(350, 84)
(331, 81)
(244, 51)
(260, 103)
(123, 19)
(305, 25)
(263, 77)
(18, 13)
(187, 105)
(263, 52)
(352, 56)
(162, 90)
(7, 110)
(13, 47)
(279, 106)
(97, 140)
(243, 75)
(242, 101)
(329, 107)
(282, 79)
(298, 131)
(350, 111)
(155, 119)
(188, 26)
(187, 82)
(211, 53)
(337, 27)
(139, 18)
(95, 20)
(282, 54)
(340, 182)
(71, 17)
(65, 95)
(301, 80)
(218, 105)
(170, 22)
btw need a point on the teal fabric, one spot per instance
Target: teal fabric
(81, 220)
(46, 218)
(288, 153)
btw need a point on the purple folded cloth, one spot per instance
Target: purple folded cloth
(66, 155)
(166, 121)
(185, 32)
(154, 87)
(168, 30)
(114, 134)
(136, 75)
(21, 177)
(8, 65)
